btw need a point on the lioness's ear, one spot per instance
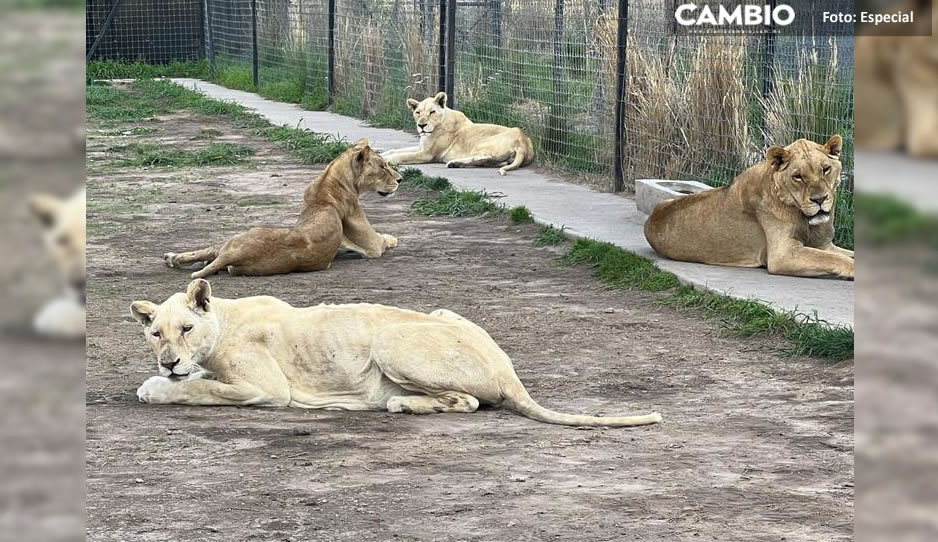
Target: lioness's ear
(834, 145)
(412, 103)
(198, 294)
(362, 143)
(143, 311)
(440, 99)
(777, 156)
(45, 209)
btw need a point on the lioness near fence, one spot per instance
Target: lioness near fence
(448, 136)
(778, 214)
(262, 351)
(332, 219)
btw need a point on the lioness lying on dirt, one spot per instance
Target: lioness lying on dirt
(63, 232)
(778, 214)
(332, 219)
(262, 351)
(449, 136)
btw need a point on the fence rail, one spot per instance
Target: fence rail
(603, 87)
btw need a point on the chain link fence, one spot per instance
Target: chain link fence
(692, 107)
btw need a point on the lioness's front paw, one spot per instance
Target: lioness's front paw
(154, 390)
(169, 259)
(453, 163)
(389, 240)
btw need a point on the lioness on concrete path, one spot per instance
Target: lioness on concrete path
(448, 136)
(778, 214)
(332, 219)
(262, 351)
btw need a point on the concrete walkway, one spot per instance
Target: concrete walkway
(584, 212)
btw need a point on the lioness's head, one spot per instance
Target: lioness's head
(63, 231)
(806, 176)
(372, 172)
(429, 113)
(182, 331)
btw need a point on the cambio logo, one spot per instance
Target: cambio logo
(741, 15)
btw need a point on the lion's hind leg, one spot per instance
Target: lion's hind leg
(173, 259)
(482, 160)
(447, 401)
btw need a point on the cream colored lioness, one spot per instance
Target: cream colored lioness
(448, 136)
(778, 214)
(262, 351)
(332, 219)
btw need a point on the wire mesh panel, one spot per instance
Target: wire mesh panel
(144, 31)
(292, 38)
(547, 66)
(231, 45)
(385, 52)
(704, 107)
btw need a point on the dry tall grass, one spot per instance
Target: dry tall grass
(374, 66)
(686, 108)
(813, 100)
(419, 50)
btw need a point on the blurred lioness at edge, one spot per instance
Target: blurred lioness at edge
(42, 382)
(896, 116)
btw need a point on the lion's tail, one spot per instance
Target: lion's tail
(518, 399)
(524, 155)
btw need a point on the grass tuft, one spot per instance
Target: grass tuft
(112, 69)
(549, 236)
(413, 177)
(310, 147)
(618, 268)
(157, 155)
(520, 215)
(806, 335)
(452, 202)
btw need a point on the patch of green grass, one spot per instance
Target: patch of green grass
(258, 202)
(207, 134)
(549, 236)
(110, 105)
(887, 219)
(310, 147)
(452, 202)
(806, 335)
(414, 178)
(235, 77)
(157, 155)
(843, 219)
(618, 268)
(112, 69)
(172, 96)
(520, 215)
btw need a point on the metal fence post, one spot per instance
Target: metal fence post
(767, 68)
(108, 21)
(209, 39)
(441, 62)
(622, 35)
(254, 44)
(331, 60)
(451, 52)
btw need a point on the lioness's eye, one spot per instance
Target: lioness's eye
(187, 328)
(156, 334)
(826, 170)
(797, 177)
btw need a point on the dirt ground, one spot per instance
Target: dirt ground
(754, 446)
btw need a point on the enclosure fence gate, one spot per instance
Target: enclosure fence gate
(605, 88)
